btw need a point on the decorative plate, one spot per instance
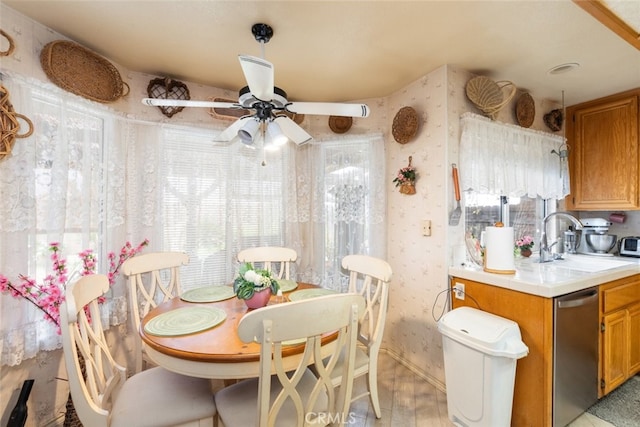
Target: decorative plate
(405, 125)
(165, 88)
(287, 285)
(208, 294)
(185, 320)
(525, 110)
(340, 124)
(310, 293)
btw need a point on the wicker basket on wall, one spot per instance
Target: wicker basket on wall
(82, 72)
(488, 95)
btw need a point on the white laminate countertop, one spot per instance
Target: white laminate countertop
(552, 279)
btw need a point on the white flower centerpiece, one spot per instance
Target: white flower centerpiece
(251, 282)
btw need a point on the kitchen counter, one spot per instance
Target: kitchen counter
(552, 279)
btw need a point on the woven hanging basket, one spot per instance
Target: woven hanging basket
(340, 124)
(525, 110)
(11, 47)
(553, 119)
(81, 71)
(488, 96)
(10, 125)
(405, 125)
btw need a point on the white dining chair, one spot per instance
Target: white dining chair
(287, 395)
(153, 279)
(102, 395)
(276, 259)
(369, 277)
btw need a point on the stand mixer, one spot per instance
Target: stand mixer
(601, 242)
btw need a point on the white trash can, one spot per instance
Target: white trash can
(480, 353)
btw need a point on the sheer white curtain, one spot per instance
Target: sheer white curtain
(62, 184)
(503, 159)
(337, 198)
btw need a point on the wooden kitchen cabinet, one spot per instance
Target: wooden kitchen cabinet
(620, 332)
(604, 147)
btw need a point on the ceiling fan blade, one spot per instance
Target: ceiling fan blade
(292, 130)
(328, 109)
(231, 132)
(259, 76)
(159, 102)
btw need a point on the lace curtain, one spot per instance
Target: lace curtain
(338, 200)
(62, 184)
(503, 159)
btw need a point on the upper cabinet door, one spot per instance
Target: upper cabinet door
(603, 141)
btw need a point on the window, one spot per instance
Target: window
(216, 200)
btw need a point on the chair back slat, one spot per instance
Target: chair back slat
(369, 277)
(274, 327)
(94, 376)
(153, 279)
(276, 259)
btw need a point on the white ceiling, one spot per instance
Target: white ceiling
(353, 50)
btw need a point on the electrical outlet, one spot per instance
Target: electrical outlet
(458, 290)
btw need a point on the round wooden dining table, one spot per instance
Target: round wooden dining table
(218, 352)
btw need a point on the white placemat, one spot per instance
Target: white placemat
(208, 294)
(310, 293)
(185, 320)
(287, 285)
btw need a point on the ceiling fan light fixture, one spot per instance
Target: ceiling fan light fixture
(248, 132)
(276, 136)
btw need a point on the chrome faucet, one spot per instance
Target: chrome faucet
(545, 249)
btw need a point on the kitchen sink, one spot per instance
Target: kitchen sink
(586, 263)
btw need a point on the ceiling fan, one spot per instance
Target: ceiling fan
(268, 104)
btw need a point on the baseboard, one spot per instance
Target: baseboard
(413, 368)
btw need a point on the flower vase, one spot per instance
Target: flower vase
(259, 298)
(525, 252)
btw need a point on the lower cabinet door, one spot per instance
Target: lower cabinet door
(615, 351)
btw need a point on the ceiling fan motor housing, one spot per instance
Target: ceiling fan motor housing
(262, 32)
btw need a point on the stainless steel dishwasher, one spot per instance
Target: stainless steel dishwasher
(575, 354)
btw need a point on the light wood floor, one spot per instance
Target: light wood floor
(405, 399)
(408, 400)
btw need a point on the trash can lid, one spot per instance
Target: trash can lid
(484, 331)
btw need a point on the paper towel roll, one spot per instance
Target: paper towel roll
(498, 250)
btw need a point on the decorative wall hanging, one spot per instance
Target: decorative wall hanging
(340, 124)
(81, 71)
(525, 110)
(9, 124)
(488, 96)
(165, 88)
(405, 125)
(11, 47)
(553, 119)
(406, 179)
